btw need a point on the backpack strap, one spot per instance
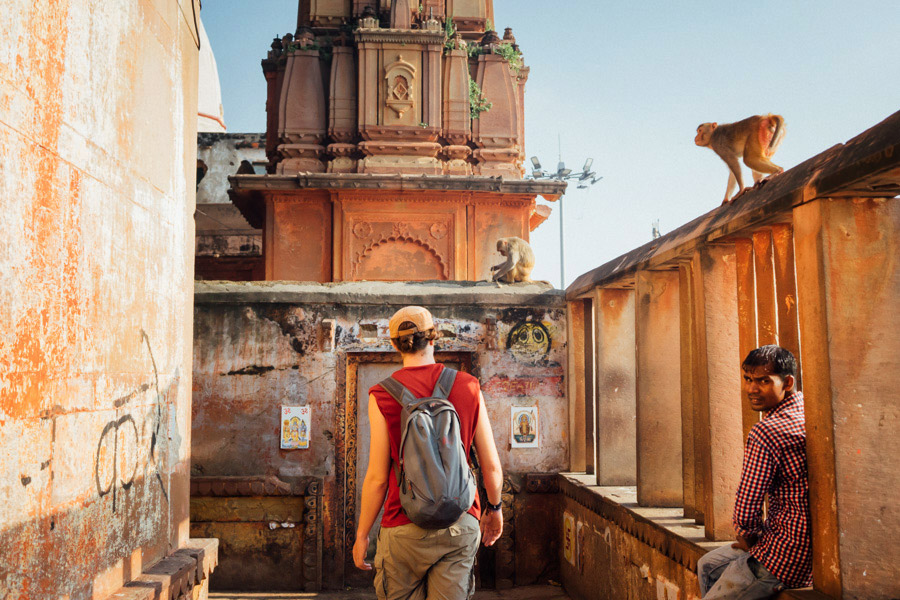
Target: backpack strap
(444, 384)
(398, 391)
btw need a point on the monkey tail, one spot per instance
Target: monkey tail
(777, 136)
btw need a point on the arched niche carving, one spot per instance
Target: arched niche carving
(400, 82)
(399, 259)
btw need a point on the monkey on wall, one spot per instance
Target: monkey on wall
(755, 139)
(519, 260)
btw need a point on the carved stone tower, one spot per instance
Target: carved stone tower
(395, 144)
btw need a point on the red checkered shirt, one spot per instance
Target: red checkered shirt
(775, 466)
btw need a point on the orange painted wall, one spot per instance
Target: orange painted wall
(97, 153)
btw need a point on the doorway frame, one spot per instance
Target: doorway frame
(346, 449)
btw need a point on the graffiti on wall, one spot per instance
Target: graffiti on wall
(529, 342)
(502, 385)
(129, 444)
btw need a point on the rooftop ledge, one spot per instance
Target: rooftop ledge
(664, 529)
(426, 293)
(867, 166)
(549, 190)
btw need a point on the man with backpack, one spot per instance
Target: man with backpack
(424, 420)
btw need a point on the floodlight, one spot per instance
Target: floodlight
(536, 163)
(587, 165)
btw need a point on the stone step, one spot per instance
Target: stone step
(531, 592)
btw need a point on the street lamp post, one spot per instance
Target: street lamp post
(585, 178)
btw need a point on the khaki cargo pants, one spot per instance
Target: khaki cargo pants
(412, 563)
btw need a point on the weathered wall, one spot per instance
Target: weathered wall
(219, 156)
(98, 107)
(260, 346)
(611, 553)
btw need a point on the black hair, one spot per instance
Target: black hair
(778, 359)
(414, 342)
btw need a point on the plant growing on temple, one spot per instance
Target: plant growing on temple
(477, 102)
(296, 46)
(511, 55)
(474, 50)
(449, 35)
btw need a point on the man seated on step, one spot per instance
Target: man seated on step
(774, 553)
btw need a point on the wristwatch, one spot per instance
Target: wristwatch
(494, 507)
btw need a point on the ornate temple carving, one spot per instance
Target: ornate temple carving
(400, 79)
(380, 167)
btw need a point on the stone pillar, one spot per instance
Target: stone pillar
(342, 114)
(432, 76)
(848, 285)
(521, 80)
(401, 14)
(718, 384)
(659, 475)
(273, 70)
(302, 124)
(456, 120)
(496, 131)
(691, 459)
(590, 395)
(764, 264)
(786, 291)
(746, 307)
(575, 326)
(614, 323)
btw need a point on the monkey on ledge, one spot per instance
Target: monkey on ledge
(755, 139)
(519, 260)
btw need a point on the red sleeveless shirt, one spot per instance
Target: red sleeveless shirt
(421, 381)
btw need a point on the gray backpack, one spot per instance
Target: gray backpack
(436, 483)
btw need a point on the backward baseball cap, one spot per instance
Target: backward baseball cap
(419, 316)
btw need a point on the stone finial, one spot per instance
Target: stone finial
(277, 48)
(490, 40)
(304, 37)
(368, 19)
(508, 36)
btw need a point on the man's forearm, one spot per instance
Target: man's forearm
(370, 503)
(493, 482)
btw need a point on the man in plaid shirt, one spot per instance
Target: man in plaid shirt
(776, 553)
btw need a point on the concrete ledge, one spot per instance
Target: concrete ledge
(176, 576)
(475, 183)
(367, 293)
(661, 528)
(619, 505)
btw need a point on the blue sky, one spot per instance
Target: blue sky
(627, 83)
